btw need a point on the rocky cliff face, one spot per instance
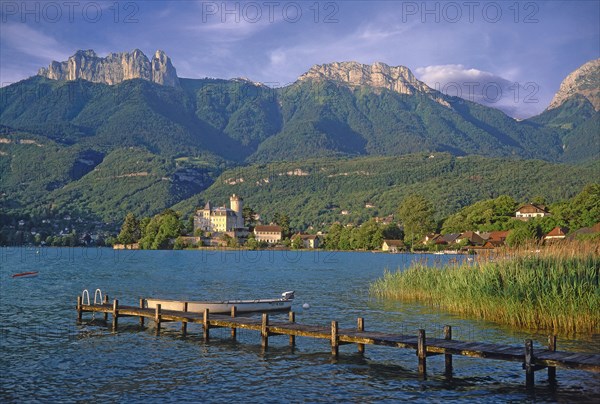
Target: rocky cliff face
(378, 75)
(584, 81)
(114, 68)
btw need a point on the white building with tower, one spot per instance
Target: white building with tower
(221, 219)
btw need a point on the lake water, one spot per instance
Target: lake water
(47, 357)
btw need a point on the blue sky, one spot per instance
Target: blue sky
(507, 54)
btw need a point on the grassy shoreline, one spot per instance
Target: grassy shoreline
(554, 288)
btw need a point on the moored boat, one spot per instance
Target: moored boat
(29, 274)
(242, 306)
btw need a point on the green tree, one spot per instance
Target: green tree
(332, 238)
(252, 243)
(161, 229)
(130, 230)
(368, 236)
(585, 207)
(487, 215)
(416, 214)
(248, 214)
(526, 233)
(189, 226)
(297, 242)
(179, 244)
(283, 221)
(392, 232)
(346, 238)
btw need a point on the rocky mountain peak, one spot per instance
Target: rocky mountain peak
(378, 75)
(584, 81)
(114, 68)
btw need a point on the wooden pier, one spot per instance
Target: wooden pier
(424, 347)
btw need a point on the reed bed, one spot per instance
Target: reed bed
(551, 288)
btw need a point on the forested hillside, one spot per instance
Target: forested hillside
(317, 191)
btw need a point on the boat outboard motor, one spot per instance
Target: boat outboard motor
(289, 295)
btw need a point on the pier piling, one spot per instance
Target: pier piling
(264, 331)
(79, 311)
(233, 329)
(157, 317)
(141, 317)
(552, 348)
(106, 303)
(184, 322)
(335, 339)
(360, 326)
(529, 366)
(292, 319)
(115, 315)
(206, 325)
(422, 353)
(448, 357)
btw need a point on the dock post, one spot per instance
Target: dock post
(448, 357)
(141, 307)
(335, 339)
(105, 313)
(79, 311)
(552, 369)
(264, 331)
(529, 366)
(157, 311)
(360, 326)
(233, 329)
(422, 353)
(205, 325)
(184, 323)
(115, 314)
(292, 318)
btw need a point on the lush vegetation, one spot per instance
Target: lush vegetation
(556, 288)
(316, 192)
(368, 236)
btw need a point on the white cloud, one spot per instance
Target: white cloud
(28, 41)
(513, 98)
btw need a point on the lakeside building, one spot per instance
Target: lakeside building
(221, 219)
(392, 246)
(557, 233)
(530, 210)
(309, 240)
(271, 234)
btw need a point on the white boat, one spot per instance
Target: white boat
(242, 306)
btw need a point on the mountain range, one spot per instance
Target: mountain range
(127, 119)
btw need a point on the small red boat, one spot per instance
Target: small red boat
(30, 274)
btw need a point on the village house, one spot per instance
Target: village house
(385, 220)
(584, 231)
(309, 240)
(496, 236)
(271, 234)
(447, 238)
(392, 246)
(530, 210)
(431, 237)
(494, 239)
(556, 234)
(471, 238)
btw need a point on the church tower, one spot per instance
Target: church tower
(237, 205)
